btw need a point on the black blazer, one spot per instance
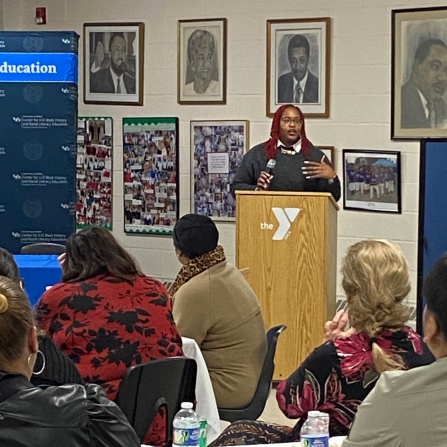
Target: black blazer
(102, 82)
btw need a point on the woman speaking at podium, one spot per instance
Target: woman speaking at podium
(288, 161)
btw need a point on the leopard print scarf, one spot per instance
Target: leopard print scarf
(197, 265)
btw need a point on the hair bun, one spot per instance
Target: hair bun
(3, 303)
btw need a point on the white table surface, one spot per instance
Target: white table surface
(335, 441)
(206, 402)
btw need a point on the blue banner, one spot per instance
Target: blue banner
(39, 67)
(38, 119)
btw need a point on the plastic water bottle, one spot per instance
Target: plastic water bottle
(315, 430)
(186, 427)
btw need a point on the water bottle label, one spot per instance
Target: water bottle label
(314, 441)
(186, 436)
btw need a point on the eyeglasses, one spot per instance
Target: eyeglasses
(287, 120)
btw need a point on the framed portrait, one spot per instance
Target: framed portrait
(329, 151)
(372, 180)
(202, 61)
(419, 73)
(94, 171)
(298, 65)
(217, 148)
(150, 162)
(114, 63)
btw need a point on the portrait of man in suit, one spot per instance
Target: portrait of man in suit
(116, 76)
(423, 103)
(300, 85)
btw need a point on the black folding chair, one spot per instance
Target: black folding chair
(160, 383)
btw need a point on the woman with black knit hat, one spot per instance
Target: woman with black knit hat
(215, 305)
(299, 166)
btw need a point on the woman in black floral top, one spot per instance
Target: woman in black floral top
(340, 373)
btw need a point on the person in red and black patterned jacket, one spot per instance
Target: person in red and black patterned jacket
(105, 314)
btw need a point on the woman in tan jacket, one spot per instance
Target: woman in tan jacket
(215, 305)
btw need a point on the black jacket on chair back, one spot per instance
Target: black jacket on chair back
(69, 415)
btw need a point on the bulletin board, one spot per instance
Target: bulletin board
(217, 149)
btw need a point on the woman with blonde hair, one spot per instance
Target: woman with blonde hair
(72, 415)
(340, 373)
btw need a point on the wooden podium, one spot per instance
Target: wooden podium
(287, 241)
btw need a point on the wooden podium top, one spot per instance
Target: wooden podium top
(289, 193)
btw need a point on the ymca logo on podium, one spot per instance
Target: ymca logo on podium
(285, 217)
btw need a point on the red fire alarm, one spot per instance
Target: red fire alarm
(41, 16)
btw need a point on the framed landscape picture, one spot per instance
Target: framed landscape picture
(298, 65)
(217, 148)
(372, 180)
(113, 63)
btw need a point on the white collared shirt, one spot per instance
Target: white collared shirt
(424, 103)
(302, 85)
(296, 146)
(115, 81)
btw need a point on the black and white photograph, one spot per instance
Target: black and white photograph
(298, 54)
(94, 170)
(150, 160)
(113, 63)
(217, 149)
(201, 62)
(419, 73)
(372, 180)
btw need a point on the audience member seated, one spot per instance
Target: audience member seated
(54, 367)
(106, 315)
(408, 408)
(71, 415)
(215, 305)
(339, 374)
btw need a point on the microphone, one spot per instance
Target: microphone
(269, 169)
(270, 166)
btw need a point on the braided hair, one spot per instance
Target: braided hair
(272, 144)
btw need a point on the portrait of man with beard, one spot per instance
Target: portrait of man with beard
(116, 78)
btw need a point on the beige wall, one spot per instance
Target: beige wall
(360, 96)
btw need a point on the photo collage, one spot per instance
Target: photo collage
(218, 148)
(150, 175)
(94, 173)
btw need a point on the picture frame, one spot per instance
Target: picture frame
(202, 77)
(307, 40)
(217, 149)
(114, 63)
(150, 175)
(94, 172)
(372, 180)
(329, 151)
(418, 95)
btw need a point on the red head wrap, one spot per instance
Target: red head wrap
(272, 144)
